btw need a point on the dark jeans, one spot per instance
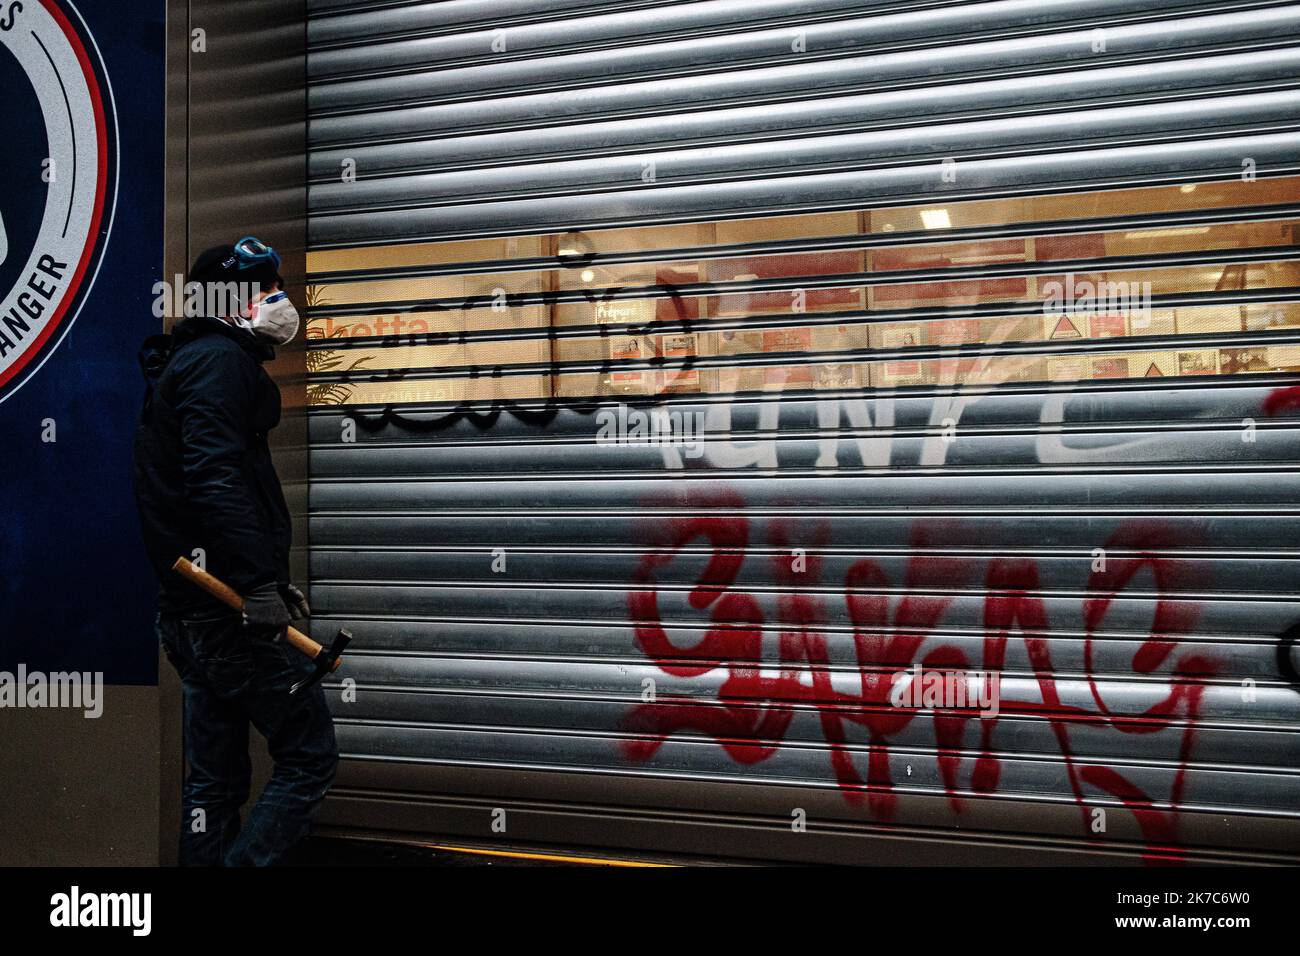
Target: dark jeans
(234, 677)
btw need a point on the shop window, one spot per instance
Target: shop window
(873, 298)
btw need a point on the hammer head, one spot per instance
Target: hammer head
(325, 662)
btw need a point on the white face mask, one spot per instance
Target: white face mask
(274, 318)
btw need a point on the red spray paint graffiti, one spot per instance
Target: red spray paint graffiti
(757, 700)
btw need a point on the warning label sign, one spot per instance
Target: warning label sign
(1064, 329)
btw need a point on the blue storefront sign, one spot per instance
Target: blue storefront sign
(81, 224)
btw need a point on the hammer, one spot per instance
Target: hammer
(326, 659)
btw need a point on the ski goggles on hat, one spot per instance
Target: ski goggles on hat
(254, 252)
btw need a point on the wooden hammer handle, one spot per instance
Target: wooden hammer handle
(227, 596)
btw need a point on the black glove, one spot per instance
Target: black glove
(264, 609)
(295, 600)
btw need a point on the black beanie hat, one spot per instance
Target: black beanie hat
(221, 264)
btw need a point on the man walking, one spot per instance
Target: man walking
(207, 490)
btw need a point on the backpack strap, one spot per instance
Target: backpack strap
(154, 354)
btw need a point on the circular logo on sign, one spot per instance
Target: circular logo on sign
(58, 170)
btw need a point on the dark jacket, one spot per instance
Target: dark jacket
(204, 478)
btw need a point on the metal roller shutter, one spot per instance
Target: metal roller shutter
(694, 379)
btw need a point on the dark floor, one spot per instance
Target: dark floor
(334, 851)
(330, 850)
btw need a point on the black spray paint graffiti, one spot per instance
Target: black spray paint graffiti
(483, 414)
(530, 412)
